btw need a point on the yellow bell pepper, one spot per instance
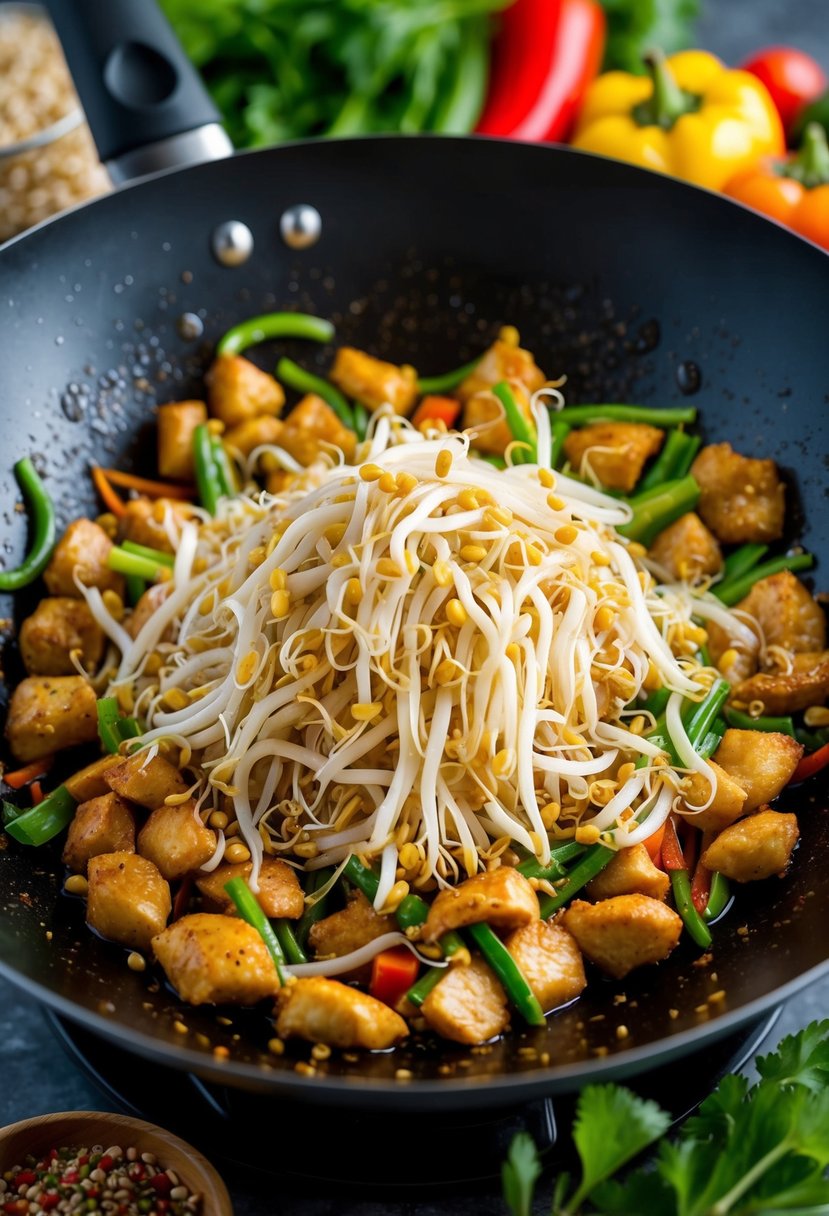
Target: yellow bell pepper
(691, 117)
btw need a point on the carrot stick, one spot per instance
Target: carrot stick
(36, 791)
(152, 489)
(108, 496)
(30, 772)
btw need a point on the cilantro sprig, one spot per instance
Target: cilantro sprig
(751, 1150)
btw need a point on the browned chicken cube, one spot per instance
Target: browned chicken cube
(483, 418)
(687, 550)
(143, 521)
(254, 433)
(83, 551)
(728, 803)
(49, 713)
(149, 603)
(550, 961)
(216, 960)
(503, 898)
(58, 627)
(326, 1011)
(353, 926)
(101, 825)
(741, 499)
(146, 781)
(280, 895)
(128, 901)
(615, 451)
(468, 1005)
(175, 840)
(309, 426)
(631, 872)
(625, 932)
(238, 390)
(90, 782)
(735, 659)
(786, 612)
(176, 423)
(373, 381)
(502, 361)
(762, 762)
(786, 692)
(754, 848)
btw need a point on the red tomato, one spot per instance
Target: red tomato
(792, 78)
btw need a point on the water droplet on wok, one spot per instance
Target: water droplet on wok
(647, 338)
(688, 377)
(190, 326)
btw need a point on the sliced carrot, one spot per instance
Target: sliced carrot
(809, 765)
(36, 790)
(30, 772)
(437, 409)
(108, 496)
(654, 843)
(392, 974)
(672, 858)
(152, 489)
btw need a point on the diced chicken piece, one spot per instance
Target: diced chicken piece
(101, 825)
(354, 926)
(754, 848)
(625, 932)
(687, 550)
(175, 840)
(483, 418)
(615, 451)
(785, 693)
(238, 390)
(49, 713)
(326, 1011)
(550, 961)
(728, 803)
(761, 762)
(150, 602)
(280, 895)
(128, 901)
(503, 898)
(278, 481)
(788, 615)
(735, 659)
(254, 433)
(631, 872)
(90, 782)
(216, 960)
(741, 499)
(143, 521)
(176, 423)
(57, 627)
(146, 781)
(468, 1005)
(83, 550)
(311, 424)
(502, 361)
(373, 381)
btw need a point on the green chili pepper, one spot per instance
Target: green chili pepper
(123, 562)
(207, 475)
(522, 431)
(152, 555)
(736, 589)
(696, 926)
(315, 911)
(591, 864)
(274, 325)
(718, 898)
(43, 529)
(288, 941)
(509, 973)
(247, 905)
(655, 510)
(448, 381)
(43, 821)
(741, 721)
(579, 415)
(297, 377)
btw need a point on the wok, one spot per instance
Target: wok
(635, 285)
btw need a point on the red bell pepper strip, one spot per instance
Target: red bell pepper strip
(654, 844)
(434, 408)
(674, 862)
(808, 766)
(546, 54)
(392, 974)
(672, 858)
(30, 772)
(701, 887)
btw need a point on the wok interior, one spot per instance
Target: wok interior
(626, 282)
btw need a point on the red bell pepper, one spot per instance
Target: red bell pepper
(811, 764)
(434, 408)
(792, 78)
(392, 974)
(546, 54)
(654, 844)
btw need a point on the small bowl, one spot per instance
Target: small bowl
(88, 1127)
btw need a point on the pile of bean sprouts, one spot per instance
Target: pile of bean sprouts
(419, 658)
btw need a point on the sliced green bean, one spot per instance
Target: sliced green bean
(509, 973)
(361, 420)
(152, 555)
(207, 475)
(43, 529)
(448, 381)
(683, 465)
(558, 432)
(706, 711)
(696, 926)
(662, 468)
(298, 378)
(742, 560)
(741, 721)
(591, 864)
(718, 897)
(421, 988)
(411, 911)
(531, 868)
(734, 590)
(317, 910)
(579, 415)
(249, 908)
(123, 562)
(136, 586)
(287, 939)
(43, 821)
(521, 430)
(274, 325)
(224, 469)
(655, 511)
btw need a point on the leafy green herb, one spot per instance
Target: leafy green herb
(635, 27)
(751, 1150)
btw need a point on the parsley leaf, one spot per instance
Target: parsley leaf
(519, 1174)
(612, 1125)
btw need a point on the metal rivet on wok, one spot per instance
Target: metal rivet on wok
(232, 243)
(300, 226)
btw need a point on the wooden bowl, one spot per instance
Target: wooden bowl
(87, 1127)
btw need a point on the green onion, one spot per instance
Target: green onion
(522, 431)
(741, 721)
(579, 415)
(207, 475)
(248, 907)
(656, 701)
(656, 511)
(448, 381)
(43, 821)
(296, 377)
(509, 973)
(43, 520)
(274, 325)
(736, 589)
(287, 940)
(152, 555)
(591, 864)
(683, 464)
(705, 712)
(123, 562)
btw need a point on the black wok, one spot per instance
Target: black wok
(630, 283)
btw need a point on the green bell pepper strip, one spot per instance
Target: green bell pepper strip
(287, 939)
(558, 433)
(248, 907)
(123, 562)
(731, 591)
(741, 561)
(207, 475)
(152, 555)
(136, 586)
(580, 415)
(448, 381)
(43, 529)
(296, 377)
(592, 863)
(718, 898)
(509, 973)
(274, 325)
(656, 510)
(522, 431)
(224, 469)
(43, 821)
(741, 721)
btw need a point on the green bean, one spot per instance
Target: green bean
(591, 864)
(248, 907)
(683, 465)
(123, 562)
(109, 714)
(152, 555)
(741, 721)
(734, 590)
(531, 868)
(448, 381)
(207, 476)
(696, 926)
(509, 973)
(361, 420)
(579, 415)
(656, 701)
(656, 511)
(558, 433)
(411, 911)
(706, 711)
(317, 910)
(224, 469)
(43, 521)
(43, 821)
(287, 939)
(274, 325)
(718, 898)
(521, 430)
(136, 586)
(421, 988)
(742, 560)
(297, 377)
(662, 468)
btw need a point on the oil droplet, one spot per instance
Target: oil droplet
(647, 338)
(189, 326)
(688, 377)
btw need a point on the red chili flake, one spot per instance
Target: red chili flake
(161, 1183)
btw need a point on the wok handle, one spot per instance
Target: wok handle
(144, 101)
